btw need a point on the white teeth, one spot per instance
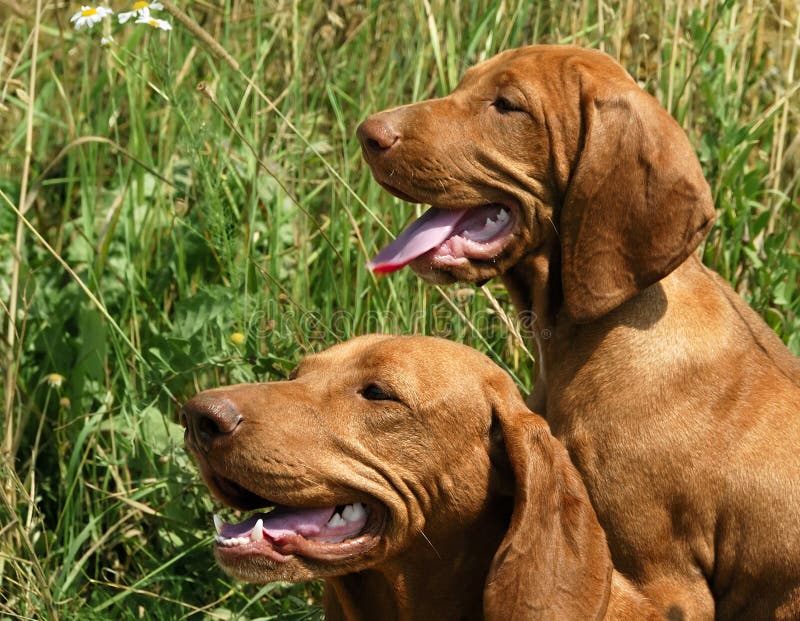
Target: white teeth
(231, 541)
(218, 524)
(491, 227)
(354, 512)
(257, 534)
(336, 520)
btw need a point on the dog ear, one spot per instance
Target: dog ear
(553, 562)
(637, 204)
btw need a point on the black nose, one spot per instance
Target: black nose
(209, 419)
(377, 135)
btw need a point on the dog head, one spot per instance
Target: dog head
(411, 455)
(543, 147)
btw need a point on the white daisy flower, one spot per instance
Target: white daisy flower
(139, 8)
(89, 16)
(106, 41)
(54, 380)
(146, 18)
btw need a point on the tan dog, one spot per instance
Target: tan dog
(409, 474)
(550, 167)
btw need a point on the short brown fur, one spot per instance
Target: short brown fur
(678, 405)
(485, 516)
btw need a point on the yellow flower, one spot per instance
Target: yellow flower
(237, 338)
(89, 16)
(54, 380)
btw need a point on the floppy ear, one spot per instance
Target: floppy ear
(637, 204)
(553, 563)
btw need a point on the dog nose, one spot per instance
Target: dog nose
(208, 419)
(377, 135)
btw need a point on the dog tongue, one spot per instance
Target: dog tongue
(283, 521)
(425, 233)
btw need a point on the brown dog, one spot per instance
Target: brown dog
(550, 167)
(409, 474)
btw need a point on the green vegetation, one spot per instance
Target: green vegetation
(144, 220)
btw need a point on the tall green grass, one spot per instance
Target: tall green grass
(143, 221)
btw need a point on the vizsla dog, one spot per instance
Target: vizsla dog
(550, 167)
(409, 474)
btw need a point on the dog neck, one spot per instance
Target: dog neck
(432, 579)
(657, 312)
(534, 284)
(535, 288)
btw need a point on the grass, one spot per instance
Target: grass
(155, 199)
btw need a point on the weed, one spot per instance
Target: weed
(188, 208)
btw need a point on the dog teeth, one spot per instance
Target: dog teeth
(229, 542)
(491, 227)
(501, 217)
(354, 512)
(257, 534)
(351, 513)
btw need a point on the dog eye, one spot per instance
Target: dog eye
(376, 393)
(502, 104)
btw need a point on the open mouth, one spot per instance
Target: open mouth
(449, 237)
(320, 533)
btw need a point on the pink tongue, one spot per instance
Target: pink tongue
(425, 233)
(283, 521)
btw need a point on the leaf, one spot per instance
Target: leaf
(92, 348)
(158, 432)
(205, 307)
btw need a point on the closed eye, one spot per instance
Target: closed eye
(373, 392)
(503, 105)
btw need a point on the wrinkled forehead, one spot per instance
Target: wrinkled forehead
(505, 67)
(359, 354)
(519, 60)
(539, 63)
(414, 361)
